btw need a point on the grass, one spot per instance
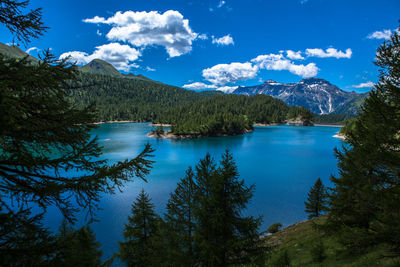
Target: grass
(299, 240)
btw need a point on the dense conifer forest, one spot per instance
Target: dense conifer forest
(46, 123)
(206, 113)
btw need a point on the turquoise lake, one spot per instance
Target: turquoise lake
(282, 161)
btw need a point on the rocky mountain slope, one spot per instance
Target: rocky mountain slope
(318, 95)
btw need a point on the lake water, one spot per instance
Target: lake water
(282, 161)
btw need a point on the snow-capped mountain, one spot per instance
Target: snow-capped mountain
(318, 95)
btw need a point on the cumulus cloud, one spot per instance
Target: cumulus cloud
(330, 52)
(364, 85)
(142, 29)
(122, 57)
(199, 86)
(221, 3)
(150, 69)
(224, 40)
(202, 36)
(279, 62)
(29, 50)
(294, 55)
(222, 74)
(385, 34)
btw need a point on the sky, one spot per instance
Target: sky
(222, 44)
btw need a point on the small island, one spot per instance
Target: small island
(228, 115)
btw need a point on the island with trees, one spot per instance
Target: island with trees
(45, 134)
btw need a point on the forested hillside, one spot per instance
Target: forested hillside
(205, 113)
(127, 99)
(120, 97)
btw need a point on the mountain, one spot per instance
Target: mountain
(101, 67)
(352, 106)
(12, 51)
(318, 95)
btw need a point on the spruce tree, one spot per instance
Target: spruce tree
(316, 203)
(364, 201)
(180, 221)
(48, 156)
(140, 234)
(224, 236)
(77, 247)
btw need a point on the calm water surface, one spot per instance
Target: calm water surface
(282, 161)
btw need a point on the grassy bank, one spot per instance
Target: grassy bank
(299, 240)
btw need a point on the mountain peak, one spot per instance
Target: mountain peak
(314, 80)
(270, 81)
(13, 51)
(316, 94)
(98, 66)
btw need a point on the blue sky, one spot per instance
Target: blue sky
(222, 44)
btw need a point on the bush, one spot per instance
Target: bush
(318, 251)
(274, 228)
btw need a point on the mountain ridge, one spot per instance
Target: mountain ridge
(316, 94)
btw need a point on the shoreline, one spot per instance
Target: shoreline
(103, 122)
(168, 135)
(267, 124)
(160, 124)
(329, 125)
(340, 136)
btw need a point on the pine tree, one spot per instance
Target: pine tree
(316, 203)
(24, 26)
(223, 236)
(180, 221)
(140, 234)
(48, 156)
(77, 247)
(364, 202)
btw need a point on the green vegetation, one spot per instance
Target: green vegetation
(352, 106)
(15, 52)
(203, 225)
(305, 245)
(274, 228)
(364, 200)
(43, 140)
(316, 203)
(140, 248)
(339, 119)
(225, 114)
(189, 113)
(76, 247)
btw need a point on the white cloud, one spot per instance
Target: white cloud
(29, 50)
(221, 3)
(364, 85)
(279, 62)
(98, 33)
(150, 69)
(199, 86)
(222, 74)
(224, 40)
(122, 57)
(330, 52)
(142, 29)
(294, 55)
(227, 89)
(385, 34)
(202, 36)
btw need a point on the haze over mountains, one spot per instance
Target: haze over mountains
(318, 95)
